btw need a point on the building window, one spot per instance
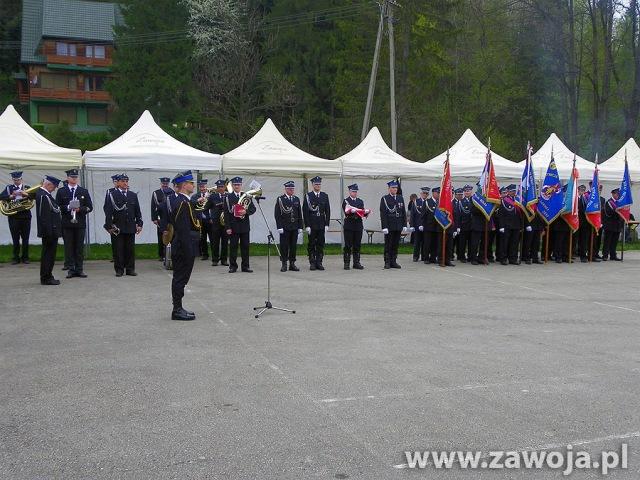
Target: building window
(94, 84)
(66, 49)
(95, 51)
(58, 81)
(56, 114)
(97, 116)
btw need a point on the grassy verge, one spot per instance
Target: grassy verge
(149, 251)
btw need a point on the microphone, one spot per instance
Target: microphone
(260, 198)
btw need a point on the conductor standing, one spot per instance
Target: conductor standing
(49, 228)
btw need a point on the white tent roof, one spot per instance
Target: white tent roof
(146, 146)
(22, 147)
(373, 158)
(614, 166)
(468, 156)
(564, 161)
(269, 153)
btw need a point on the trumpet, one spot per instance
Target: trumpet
(73, 205)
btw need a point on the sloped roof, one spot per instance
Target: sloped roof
(615, 165)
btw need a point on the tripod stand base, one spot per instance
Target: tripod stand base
(269, 306)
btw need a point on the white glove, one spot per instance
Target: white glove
(308, 229)
(501, 230)
(351, 210)
(281, 231)
(458, 231)
(299, 231)
(455, 234)
(421, 228)
(405, 229)
(529, 228)
(385, 231)
(326, 228)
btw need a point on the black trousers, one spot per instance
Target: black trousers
(448, 245)
(584, 240)
(509, 244)
(561, 245)
(352, 241)
(288, 245)
(125, 258)
(391, 242)
(113, 247)
(531, 245)
(597, 241)
(20, 229)
(73, 248)
(315, 248)
(48, 257)
(463, 238)
(219, 245)
(430, 246)
(243, 240)
(206, 237)
(476, 241)
(418, 240)
(610, 244)
(161, 246)
(182, 268)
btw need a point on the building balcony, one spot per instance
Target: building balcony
(66, 95)
(79, 61)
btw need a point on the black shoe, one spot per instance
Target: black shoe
(387, 266)
(15, 262)
(214, 264)
(312, 266)
(517, 262)
(596, 260)
(70, 274)
(598, 257)
(528, 262)
(604, 259)
(358, 266)
(347, 267)
(395, 265)
(225, 263)
(181, 314)
(188, 312)
(449, 264)
(462, 260)
(319, 266)
(247, 270)
(51, 281)
(119, 274)
(293, 268)
(132, 274)
(558, 260)
(65, 268)
(283, 268)
(81, 275)
(233, 269)
(26, 261)
(616, 259)
(415, 259)
(584, 260)
(504, 262)
(474, 262)
(538, 262)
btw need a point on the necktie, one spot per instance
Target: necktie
(73, 192)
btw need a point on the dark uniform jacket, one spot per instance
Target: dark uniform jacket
(48, 215)
(288, 213)
(215, 206)
(428, 219)
(352, 221)
(393, 215)
(63, 197)
(611, 220)
(316, 210)
(158, 197)
(416, 216)
(186, 236)
(462, 214)
(237, 225)
(509, 216)
(478, 219)
(122, 210)
(6, 195)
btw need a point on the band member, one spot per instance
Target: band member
(289, 221)
(236, 221)
(75, 204)
(439, 232)
(185, 242)
(531, 239)
(393, 220)
(219, 237)
(114, 181)
(479, 226)
(317, 215)
(124, 221)
(462, 221)
(20, 222)
(416, 220)
(612, 224)
(49, 228)
(509, 217)
(354, 210)
(430, 230)
(158, 198)
(199, 200)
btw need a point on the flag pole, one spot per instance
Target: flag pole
(546, 248)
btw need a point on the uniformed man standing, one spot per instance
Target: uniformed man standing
(20, 222)
(479, 225)
(288, 215)
(236, 221)
(75, 204)
(531, 239)
(439, 232)
(317, 215)
(184, 244)
(509, 218)
(462, 221)
(199, 200)
(49, 228)
(219, 237)
(430, 230)
(158, 198)
(416, 221)
(612, 224)
(124, 221)
(354, 212)
(393, 221)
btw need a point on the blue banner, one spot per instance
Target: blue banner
(551, 199)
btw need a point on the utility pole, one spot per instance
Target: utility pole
(386, 12)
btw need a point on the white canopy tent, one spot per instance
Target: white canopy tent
(22, 147)
(145, 146)
(373, 158)
(467, 158)
(614, 166)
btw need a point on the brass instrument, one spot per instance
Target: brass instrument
(246, 198)
(11, 207)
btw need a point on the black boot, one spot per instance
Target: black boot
(347, 260)
(284, 267)
(292, 267)
(180, 313)
(394, 263)
(319, 265)
(356, 262)
(312, 263)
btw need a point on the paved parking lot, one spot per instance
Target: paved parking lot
(97, 382)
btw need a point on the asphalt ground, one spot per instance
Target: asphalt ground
(97, 382)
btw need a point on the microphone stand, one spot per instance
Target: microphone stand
(270, 240)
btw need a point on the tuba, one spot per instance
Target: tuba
(245, 200)
(11, 207)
